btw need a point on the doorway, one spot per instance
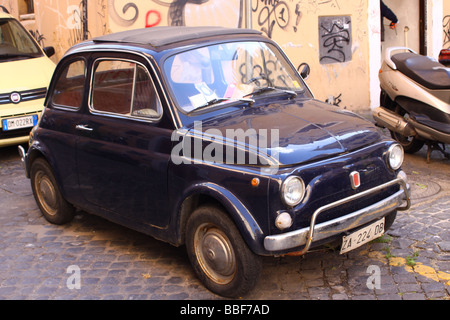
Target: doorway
(410, 28)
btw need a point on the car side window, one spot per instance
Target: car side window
(124, 88)
(69, 87)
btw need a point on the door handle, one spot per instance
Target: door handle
(83, 127)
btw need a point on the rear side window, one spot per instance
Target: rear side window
(122, 87)
(69, 88)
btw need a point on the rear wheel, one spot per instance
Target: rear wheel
(219, 255)
(53, 206)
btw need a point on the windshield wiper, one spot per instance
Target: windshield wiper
(209, 104)
(219, 100)
(293, 94)
(17, 55)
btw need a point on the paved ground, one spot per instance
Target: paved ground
(42, 261)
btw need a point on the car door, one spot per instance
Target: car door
(123, 151)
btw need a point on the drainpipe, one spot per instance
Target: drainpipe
(405, 31)
(248, 14)
(248, 25)
(85, 20)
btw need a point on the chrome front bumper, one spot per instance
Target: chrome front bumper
(339, 225)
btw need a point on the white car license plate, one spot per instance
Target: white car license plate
(19, 122)
(362, 236)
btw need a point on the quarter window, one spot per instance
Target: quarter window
(69, 87)
(124, 88)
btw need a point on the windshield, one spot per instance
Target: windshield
(15, 42)
(208, 76)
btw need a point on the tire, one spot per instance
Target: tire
(389, 220)
(220, 257)
(53, 206)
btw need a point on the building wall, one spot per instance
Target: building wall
(338, 39)
(434, 27)
(59, 23)
(331, 36)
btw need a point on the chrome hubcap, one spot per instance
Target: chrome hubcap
(46, 193)
(215, 254)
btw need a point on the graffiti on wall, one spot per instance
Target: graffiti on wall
(177, 12)
(285, 15)
(74, 24)
(271, 14)
(335, 100)
(267, 15)
(38, 37)
(446, 26)
(118, 18)
(335, 39)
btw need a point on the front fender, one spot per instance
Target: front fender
(249, 228)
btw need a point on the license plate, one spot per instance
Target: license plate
(362, 236)
(19, 122)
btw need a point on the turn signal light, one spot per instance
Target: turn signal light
(255, 182)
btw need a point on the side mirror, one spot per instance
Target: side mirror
(49, 51)
(304, 70)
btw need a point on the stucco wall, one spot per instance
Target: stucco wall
(332, 36)
(294, 24)
(58, 23)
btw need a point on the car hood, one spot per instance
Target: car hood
(285, 133)
(26, 74)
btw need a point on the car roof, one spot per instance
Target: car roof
(161, 36)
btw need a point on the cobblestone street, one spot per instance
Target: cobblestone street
(38, 260)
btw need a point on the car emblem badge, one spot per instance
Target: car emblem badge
(15, 97)
(355, 179)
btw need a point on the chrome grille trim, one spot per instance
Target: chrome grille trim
(27, 95)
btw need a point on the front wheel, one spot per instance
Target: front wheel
(220, 257)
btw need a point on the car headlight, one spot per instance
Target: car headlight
(292, 191)
(395, 156)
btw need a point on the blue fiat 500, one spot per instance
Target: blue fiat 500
(208, 137)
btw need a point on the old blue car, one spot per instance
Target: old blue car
(208, 137)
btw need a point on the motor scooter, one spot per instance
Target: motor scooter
(414, 100)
